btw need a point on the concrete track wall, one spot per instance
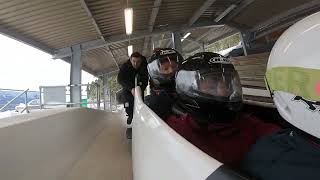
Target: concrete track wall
(45, 145)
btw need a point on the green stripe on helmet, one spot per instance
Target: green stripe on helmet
(299, 81)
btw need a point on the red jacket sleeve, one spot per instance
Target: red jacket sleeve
(262, 128)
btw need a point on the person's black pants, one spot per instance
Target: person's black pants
(129, 103)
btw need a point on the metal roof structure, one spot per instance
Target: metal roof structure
(98, 25)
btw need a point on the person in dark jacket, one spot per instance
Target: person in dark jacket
(207, 111)
(135, 66)
(162, 67)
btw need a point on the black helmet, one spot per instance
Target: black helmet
(208, 84)
(163, 65)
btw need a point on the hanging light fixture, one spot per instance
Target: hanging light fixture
(130, 50)
(185, 36)
(128, 16)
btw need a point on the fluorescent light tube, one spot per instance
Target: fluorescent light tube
(185, 36)
(128, 16)
(130, 50)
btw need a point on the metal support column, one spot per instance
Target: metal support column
(202, 47)
(176, 39)
(75, 76)
(111, 100)
(246, 38)
(106, 93)
(155, 42)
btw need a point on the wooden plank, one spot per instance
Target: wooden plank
(251, 67)
(254, 87)
(257, 103)
(244, 62)
(250, 78)
(253, 83)
(252, 57)
(258, 98)
(251, 74)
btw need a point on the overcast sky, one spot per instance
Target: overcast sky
(23, 67)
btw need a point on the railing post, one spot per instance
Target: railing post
(26, 101)
(246, 38)
(116, 102)
(202, 47)
(40, 97)
(98, 96)
(106, 93)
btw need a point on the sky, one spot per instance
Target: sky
(23, 67)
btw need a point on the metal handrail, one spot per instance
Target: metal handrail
(68, 94)
(24, 92)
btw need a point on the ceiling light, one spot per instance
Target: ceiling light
(128, 15)
(185, 36)
(130, 50)
(226, 12)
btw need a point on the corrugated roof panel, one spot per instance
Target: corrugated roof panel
(261, 10)
(109, 16)
(34, 8)
(141, 12)
(56, 24)
(177, 11)
(217, 8)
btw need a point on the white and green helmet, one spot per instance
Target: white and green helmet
(293, 74)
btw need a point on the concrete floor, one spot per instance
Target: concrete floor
(109, 156)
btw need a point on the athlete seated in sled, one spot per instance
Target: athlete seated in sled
(293, 77)
(208, 109)
(162, 68)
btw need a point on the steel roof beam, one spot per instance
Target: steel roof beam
(162, 39)
(217, 39)
(145, 45)
(222, 37)
(244, 4)
(19, 37)
(154, 14)
(294, 13)
(190, 39)
(197, 14)
(64, 52)
(86, 8)
(200, 11)
(198, 39)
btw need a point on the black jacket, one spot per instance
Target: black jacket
(283, 155)
(126, 76)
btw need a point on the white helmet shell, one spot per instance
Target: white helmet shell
(293, 74)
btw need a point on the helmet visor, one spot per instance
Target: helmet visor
(218, 86)
(164, 68)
